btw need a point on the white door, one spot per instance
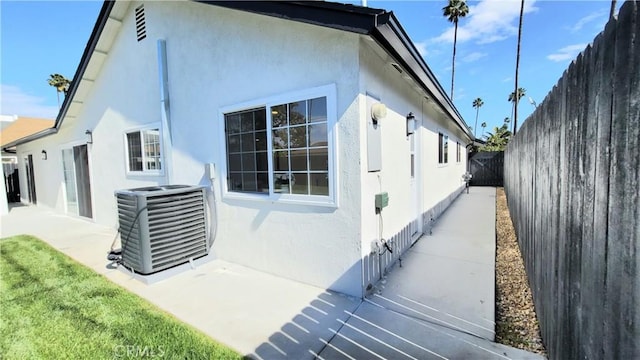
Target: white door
(416, 224)
(75, 166)
(71, 191)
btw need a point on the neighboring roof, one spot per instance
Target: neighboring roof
(381, 25)
(6, 120)
(23, 127)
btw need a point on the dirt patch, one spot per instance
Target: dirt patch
(516, 321)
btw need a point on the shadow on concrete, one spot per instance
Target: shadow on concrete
(308, 333)
(438, 305)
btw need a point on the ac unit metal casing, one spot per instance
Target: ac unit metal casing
(162, 226)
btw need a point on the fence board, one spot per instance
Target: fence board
(592, 281)
(571, 177)
(623, 187)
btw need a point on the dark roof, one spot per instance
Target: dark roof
(380, 24)
(328, 14)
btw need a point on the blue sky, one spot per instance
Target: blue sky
(41, 38)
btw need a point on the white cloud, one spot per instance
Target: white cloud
(567, 52)
(488, 21)
(14, 101)
(507, 79)
(422, 48)
(599, 15)
(474, 56)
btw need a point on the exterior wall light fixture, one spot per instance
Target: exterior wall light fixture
(378, 112)
(44, 155)
(411, 124)
(89, 136)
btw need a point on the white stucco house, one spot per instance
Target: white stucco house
(294, 115)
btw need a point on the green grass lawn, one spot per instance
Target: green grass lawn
(52, 307)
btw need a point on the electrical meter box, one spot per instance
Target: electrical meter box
(382, 201)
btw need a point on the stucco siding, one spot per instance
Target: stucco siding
(219, 58)
(433, 182)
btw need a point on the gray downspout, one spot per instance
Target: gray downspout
(165, 111)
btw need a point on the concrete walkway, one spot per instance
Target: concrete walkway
(448, 277)
(439, 304)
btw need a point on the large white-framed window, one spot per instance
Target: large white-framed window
(143, 150)
(282, 148)
(443, 148)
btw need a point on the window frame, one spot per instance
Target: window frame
(144, 172)
(443, 148)
(331, 200)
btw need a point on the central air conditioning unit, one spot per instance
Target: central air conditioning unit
(162, 226)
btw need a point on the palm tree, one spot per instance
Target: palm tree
(454, 11)
(61, 84)
(477, 104)
(506, 120)
(484, 125)
(515, 101)
(498, 140)
(521, 93)
(516, 88)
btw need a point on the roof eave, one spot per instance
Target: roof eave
(84, 60)
(75, 82)
(380, 24)
(394, 39)
(333, 15)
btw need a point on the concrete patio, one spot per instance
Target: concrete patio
(439, 304)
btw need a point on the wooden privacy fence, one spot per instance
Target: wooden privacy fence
(571, 177)
(487, 168)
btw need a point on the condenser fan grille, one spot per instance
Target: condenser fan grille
(162, 226)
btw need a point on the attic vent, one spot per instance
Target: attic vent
(141, 27)
(397, 67)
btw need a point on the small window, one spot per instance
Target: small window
(144, 151)
(443, 148)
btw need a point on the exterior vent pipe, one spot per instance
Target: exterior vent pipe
(165, 109)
